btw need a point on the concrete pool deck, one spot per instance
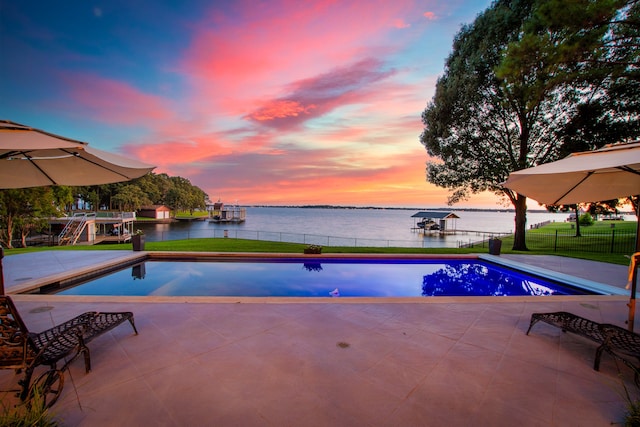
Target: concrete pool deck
(370, 362)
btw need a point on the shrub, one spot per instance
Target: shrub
(586, 219)
(27, 414)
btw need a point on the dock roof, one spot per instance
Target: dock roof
(435, 215)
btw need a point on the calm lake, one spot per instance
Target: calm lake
(348, 227)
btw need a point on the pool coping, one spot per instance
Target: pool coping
(130, 258)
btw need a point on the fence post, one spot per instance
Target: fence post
(613, 239)
(555, 244)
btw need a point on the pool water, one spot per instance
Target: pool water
(319, 278)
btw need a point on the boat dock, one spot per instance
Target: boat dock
(435, 222)
(219, 213)
(91, 228)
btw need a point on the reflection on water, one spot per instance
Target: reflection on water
(138, 271)
(312, 266)
(473, 279)
(310, 278)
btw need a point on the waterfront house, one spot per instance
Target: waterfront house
(155, 212)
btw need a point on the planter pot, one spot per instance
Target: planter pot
(312, 251)
(138, 242)
(494, 246)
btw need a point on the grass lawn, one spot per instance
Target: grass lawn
(243, 245)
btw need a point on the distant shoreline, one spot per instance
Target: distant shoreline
(447, 209)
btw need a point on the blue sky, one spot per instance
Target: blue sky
(278, 102)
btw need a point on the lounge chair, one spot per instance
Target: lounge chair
(620, 343)
(24, 350)
(570, 323)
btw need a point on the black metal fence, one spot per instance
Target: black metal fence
(615, 242)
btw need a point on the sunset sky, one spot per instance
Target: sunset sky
(281, 102)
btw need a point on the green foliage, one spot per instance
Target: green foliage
(586, 219)
(151, 189)
(602, 227)
(491, 114)
(130, 198)
(530, 81)
(27, 414)
(26, 210)
(632, 417)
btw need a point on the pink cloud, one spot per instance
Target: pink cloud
(114, 101)
(430, 16)
(286, 42)
(313, 97)
(400, 23)
(280, 109)
(259, 89)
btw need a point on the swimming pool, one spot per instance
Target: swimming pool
(316, 277)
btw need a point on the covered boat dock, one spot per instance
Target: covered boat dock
(435, 222)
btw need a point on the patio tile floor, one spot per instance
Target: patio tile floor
(449, 362)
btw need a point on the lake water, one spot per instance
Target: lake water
(349, 227)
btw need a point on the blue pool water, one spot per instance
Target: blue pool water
(320, 278)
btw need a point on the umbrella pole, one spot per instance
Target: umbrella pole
(1, 272)
(634, 274)
(634, 283)
(638, 223)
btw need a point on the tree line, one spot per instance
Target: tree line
(26, 210)
(527, 83)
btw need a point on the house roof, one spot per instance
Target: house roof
(155, 208)
(435, 215)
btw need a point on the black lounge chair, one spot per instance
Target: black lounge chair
(620, 343)
(623, 345)
(570, 323)
(24, 350)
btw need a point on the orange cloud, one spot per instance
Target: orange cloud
(279, 109)
(430, 16)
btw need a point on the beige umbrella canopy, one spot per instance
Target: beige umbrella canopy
(590, 176)
(33, 158)
(609, 173)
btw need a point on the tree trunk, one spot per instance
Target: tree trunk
(9, 228)
(519, 243)
(577, 209)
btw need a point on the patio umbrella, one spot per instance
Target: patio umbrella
(34, 158)
(590, 176)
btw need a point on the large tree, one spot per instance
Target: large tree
(522, 81)
(480, 126)
(26, 210)
(130, 197)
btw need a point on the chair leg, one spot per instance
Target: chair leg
(133, 325)
(87, 358)
(25, 383)
(596, 363)
(534, 320)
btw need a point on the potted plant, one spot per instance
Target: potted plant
(138, 240)
(494, 246)
(313, 249)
